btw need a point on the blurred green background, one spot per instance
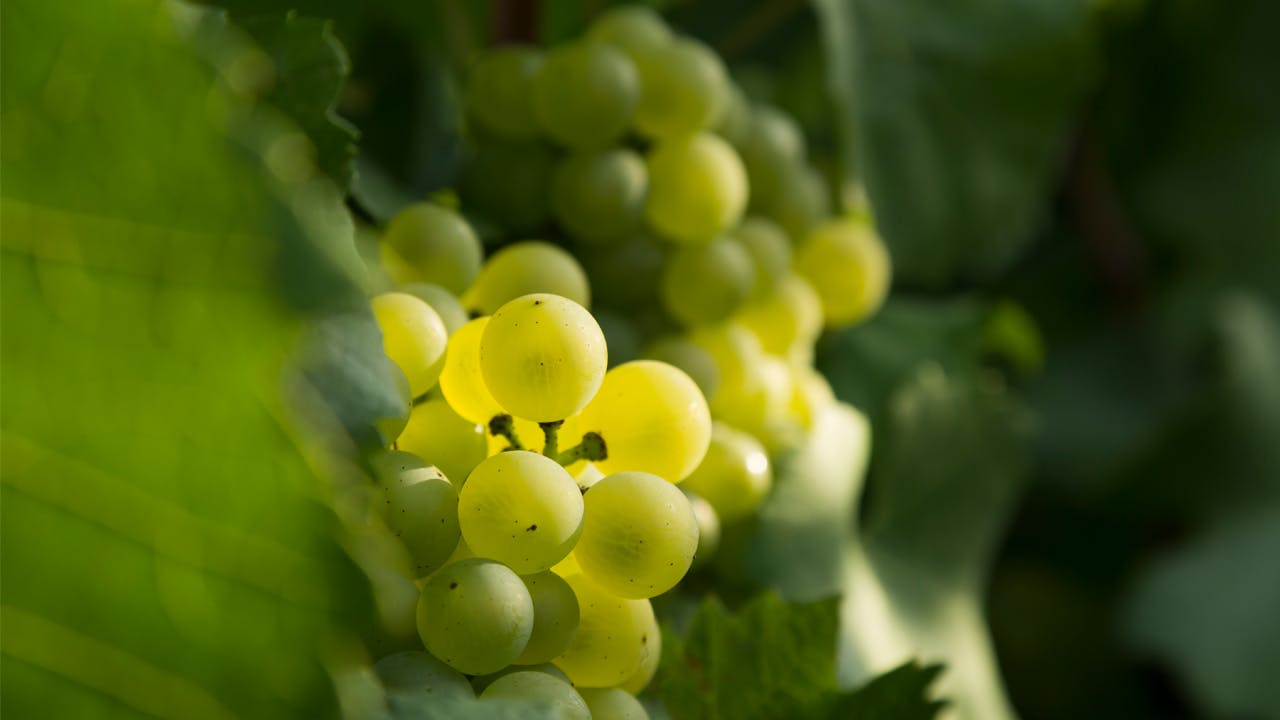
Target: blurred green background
(1081, 200)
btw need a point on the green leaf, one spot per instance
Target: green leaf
(956, 119)
(896, 695)
(164, 550)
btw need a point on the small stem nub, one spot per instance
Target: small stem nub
(551, 438)
(504, 426)
(591, 448)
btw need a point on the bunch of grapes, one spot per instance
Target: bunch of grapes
(528, 507)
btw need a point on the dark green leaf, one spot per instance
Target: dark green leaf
(900, 694)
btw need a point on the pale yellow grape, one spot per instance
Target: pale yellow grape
(566, 567)
(696, 362)
(704, 284)
(770, 252)
(418, 674)
(632, 28)
(461, 382)
(735, 476)
(708, 528)
(653, 419)
(499, 94)
(445, 303)
(615, 636)
(639, 535)
(555, 617)
(849, 267)
(521, 509)
(771, 149)
(686, 89)
(650, 657)
(421, 508)
(586, 94)
(735, 351)
(811, 395)
(440, 436)
(475, 615)
(480, 682)
(785, 319)
(539, 687)
(525, 268)
(542, 357)
(434, 245)
(697, 188)
(413, 336)
(613, 704)
(760, 404)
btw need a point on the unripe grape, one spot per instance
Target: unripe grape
(525, 268)
(631, 28)
(599, 196)
(697, 188)
(735, 475)
(772, 147)
(540, 688)
(586, 94)
(848, 266)
(480, 682)
(801, 202)
(475, 615)
(704, 284)
(413, 336)
(499, 92)
(708, 528)
(461, 382)
(421, 508)
(420, 675)
(613, 704)
(624, 276)
(433, 245)
(446, 304)
(787, 319)
(685, 89)
(770, 252)
(649, 659)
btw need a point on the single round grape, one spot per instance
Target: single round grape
(418, 674)
(772, 147)
(849, 268)
(788, 318)
(445, 303)
(542, 688)
(704, 284)
(653, 418)
(631, 28)
(639, 535)
(735, 476)
(615, 636)
(525, 268)
(708, 528)
(613, 704)
(685, 87)
(696, 362)
(475, 615)
(436, 246)
(586, 94)
(413, 336)
(440, 436)
(505, 181)
(480, 682)
(697, 188)
(521, 509)
(650, 657)
(801, 202)
(542, 357)
(770, 252)
(421, 508)
(555, 617)
(499, 94)
(760, 403)
(624, 276)
(461, 382)
(599, 196)
(735, 351)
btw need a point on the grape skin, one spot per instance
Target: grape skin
(440, 436)
(413, 336)
(539, 687)
(613, 704)
(705, 284)
(434, 245)
(499, 92)
(686, 89)
(599, 197)
(555, 617)
(421, 508)
(632, 28)
(735, 476)
(417, 672)
(475, 615)
(461, 382)
(586, 94)
(697, 188)
(848, 267)
(445, 303)
(525, 268)
(615, 636)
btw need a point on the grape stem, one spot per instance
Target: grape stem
(504, 426)
(591, 448)
(551, 438)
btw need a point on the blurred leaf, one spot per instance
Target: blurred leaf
(896, 695)
(958, 116)
(161, 521)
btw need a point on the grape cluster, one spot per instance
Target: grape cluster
(561, 465)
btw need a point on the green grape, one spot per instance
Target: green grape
(735, 351)
(568, 566)
(613, 704)
(770, 252)
(499, 92)
(480, 682)
(461, 382)
(704, 284)
(773, 145)
(505, 181)
(848, 267)
(801, 202)
(735, 121)
(421, 508)
(475, 615)
(735, 476)
(542, 357)
(419, 674)
(413, 336)
(631, 28)
(542, 688)
(787, 319)
(625, 276)
(760, 405)
(438, 435)
(446, 304)
(639, 535)
(621, 334)
(391, 426)
(599, 196)
(555, 617)
(708, 528)
(615, 636)
(434, 245)
(810, 397)
(521, 509)
(696, 362)
(650, 657)
(525, 268)
(685, 87)
(586, 94)
(697, 188)
(653, 418)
